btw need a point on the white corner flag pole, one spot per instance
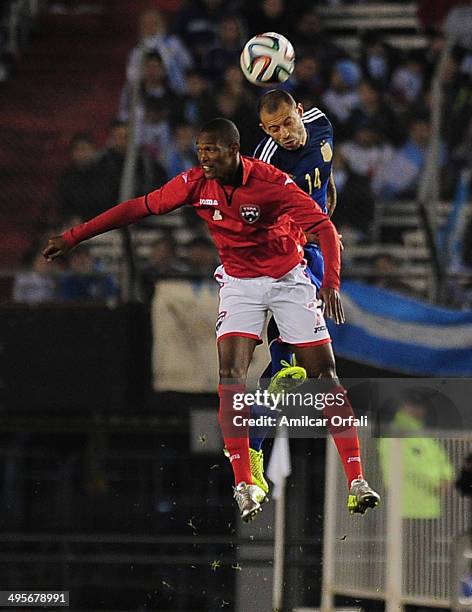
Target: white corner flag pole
(278, 470)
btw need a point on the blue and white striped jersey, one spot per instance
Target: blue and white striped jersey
(309, 166)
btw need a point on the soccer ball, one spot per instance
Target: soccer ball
(267, 59)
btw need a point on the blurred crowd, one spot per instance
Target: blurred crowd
(187, 65)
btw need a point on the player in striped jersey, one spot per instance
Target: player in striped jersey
(301, 144)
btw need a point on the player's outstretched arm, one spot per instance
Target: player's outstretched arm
(170, 196)
(121, 215)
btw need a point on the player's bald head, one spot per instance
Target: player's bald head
(281, 118)
(223, 130)
(272, 100)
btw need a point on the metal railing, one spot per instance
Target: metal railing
(385, 555)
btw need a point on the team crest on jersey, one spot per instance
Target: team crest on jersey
(250, 213)
(326, 151)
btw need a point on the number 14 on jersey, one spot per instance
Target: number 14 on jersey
(313, 180)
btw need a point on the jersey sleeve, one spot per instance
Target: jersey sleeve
(309, 216)
(170, 196)
(175, 193)
(322, 129)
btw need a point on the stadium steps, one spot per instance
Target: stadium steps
(396, 23)
(68, 81)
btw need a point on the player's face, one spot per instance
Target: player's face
(285, 126)
(217, 160)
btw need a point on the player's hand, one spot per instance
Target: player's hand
(57, 247)
(333, 306)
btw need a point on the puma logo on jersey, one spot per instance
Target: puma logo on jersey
(208, 202)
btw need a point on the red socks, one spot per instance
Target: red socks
(345, 437)
(237, 437)
(238, 447)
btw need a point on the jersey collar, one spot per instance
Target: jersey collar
(247, 168)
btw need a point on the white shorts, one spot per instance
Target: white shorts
(245, 302)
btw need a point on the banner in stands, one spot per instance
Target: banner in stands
(184, 354)
(397, 333)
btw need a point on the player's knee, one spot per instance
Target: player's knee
(233, 372)
(328, 374)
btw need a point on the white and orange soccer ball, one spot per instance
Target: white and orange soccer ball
(267, 59)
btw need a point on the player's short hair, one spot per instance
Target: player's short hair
(224, 130)
(271, 101)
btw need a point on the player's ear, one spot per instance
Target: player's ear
(261, 125)
(300, 109)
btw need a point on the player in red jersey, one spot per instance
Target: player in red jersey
(258, 218)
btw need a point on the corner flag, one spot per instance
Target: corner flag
(279, 464)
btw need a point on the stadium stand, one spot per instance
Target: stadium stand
(102, 488)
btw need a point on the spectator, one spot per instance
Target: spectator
(368, 154)
(155, 131)
(194, 102)
(377, 59)
(311, 40)
(235, 84)
(197, 23)
(365, 158)
(372, 109)
(457, 25)
(270, 16)
(385, 268)
(306, 83)
(35, 286)
(202, 257)
(163, 262)
(342, 96)
(82, 282)
(408, 80)
(227, 49)
(225, 104)
(426, 468)
(81, 192)
(149, 174)
(154, 83)
(182, 155)
(402, 178)
(354, 212)
(154, 36)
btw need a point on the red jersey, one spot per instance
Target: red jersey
(258, 226)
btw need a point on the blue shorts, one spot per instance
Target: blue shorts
(315, 264)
